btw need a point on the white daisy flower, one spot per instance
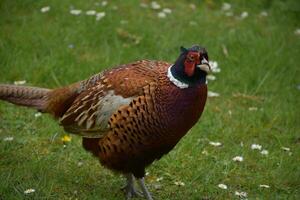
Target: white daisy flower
(155, 5)
(28, 191)
(20, 82)
(192, 6)
(264, 186)
(264, 152)
(45, 9)
(167, 10)
(211, 77)
(100, 15)
(161, 15)
(38, 114)
(215, 144)
(213, 94)
(179, 183)
(8, 139)
(204, 152)
(252, 109)
(244, 15)
(75, 12)
(90, 12)
(214, 66)
(104, 3)
(297, 31)
(256, 146)
(159, 179)
(285, 148)
(238, 159)
(222, 186)
(226, 6)
(263, 13)
(216, 70)
(241, 194)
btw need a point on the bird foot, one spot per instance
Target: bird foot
(129, 188)
(146, 192)
(131, 192)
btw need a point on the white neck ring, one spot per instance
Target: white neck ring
(175, 81)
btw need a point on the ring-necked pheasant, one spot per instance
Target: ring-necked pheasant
(130, 115)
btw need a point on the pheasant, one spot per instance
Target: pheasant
(130, 115)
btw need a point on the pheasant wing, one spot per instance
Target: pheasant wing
(103, 94)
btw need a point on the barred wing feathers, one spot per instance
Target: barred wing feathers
(104, 94)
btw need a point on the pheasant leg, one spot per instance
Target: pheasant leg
(146, 193)
(129, 188)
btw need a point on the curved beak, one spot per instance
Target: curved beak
(204, 66)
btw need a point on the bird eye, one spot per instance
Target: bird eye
(191, 58)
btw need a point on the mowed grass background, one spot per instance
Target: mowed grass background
(261, 70)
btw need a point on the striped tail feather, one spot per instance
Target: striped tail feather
(33, 97)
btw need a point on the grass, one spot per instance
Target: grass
(261, 70)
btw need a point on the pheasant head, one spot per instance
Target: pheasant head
(191, 67)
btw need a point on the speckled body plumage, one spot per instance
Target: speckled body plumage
(130, 115)
(149, 126)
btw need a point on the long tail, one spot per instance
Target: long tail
(55, 102)
(25, 96)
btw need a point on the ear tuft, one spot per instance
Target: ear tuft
(183, 50)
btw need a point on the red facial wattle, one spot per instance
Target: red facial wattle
(190, 64)
(189, 68)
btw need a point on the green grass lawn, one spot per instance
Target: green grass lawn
(259, 58)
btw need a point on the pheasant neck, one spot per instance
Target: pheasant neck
(177, 77)
(176, 81)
